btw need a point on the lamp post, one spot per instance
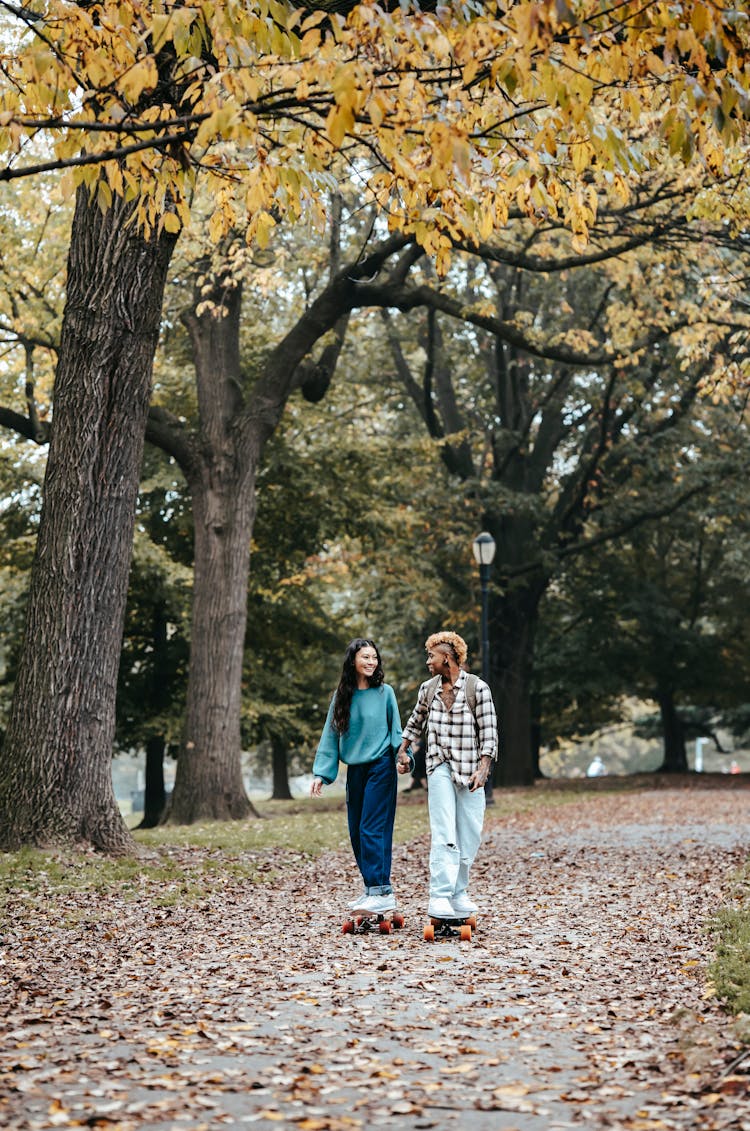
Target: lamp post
(483, 548)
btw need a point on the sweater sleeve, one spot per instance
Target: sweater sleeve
(326, 764)
(413, 729)
(394, 719)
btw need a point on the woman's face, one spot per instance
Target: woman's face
(366, 661)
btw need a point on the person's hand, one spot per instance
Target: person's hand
(404, 763)
(478, 779)
(317, 787)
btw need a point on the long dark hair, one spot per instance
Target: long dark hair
(348, 683)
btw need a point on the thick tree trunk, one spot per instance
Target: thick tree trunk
(154, 794)
(512, 622)
(280, 770)
(208, 784)
(55, 766)
(675, 754)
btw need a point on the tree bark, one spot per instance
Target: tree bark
(513, 621)
(280, 770)
(208, 783)
(675, 754)
(513, 618)
(55, 766)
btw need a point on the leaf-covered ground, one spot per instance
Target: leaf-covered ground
(581, 1002)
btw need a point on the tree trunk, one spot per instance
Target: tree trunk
(536, 734)
(154, 794)
(208, 783)
(675, 754)
(281, 790)
(512, 622)
(55, 766)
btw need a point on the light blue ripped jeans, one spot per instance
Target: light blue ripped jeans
(456, 820)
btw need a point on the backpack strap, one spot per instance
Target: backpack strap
(471, 692)
(432, 690)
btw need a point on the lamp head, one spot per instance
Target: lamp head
(483, 547)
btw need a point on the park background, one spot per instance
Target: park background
(384, 328)
(294, 304)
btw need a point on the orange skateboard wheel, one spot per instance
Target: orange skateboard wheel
(429, 932)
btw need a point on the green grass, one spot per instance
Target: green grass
(310, 827)
(178, 864)
(730, 970)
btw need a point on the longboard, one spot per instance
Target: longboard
(362, 922)
(459, 928)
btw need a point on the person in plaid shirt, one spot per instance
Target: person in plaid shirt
(462, 748)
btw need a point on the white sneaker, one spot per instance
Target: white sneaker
(377, 904)
(463, 906)
(356, 902)
(440, 908)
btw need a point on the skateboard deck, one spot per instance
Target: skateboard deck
(460, 928)
(362, 922)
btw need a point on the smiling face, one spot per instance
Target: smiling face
(365, 662)
(438, 662)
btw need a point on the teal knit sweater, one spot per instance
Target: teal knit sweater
(374, 728)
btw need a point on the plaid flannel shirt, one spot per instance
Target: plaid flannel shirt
(452, 735)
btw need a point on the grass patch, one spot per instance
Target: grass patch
(35, 874)
(179, 864)
(305, 827)
(730, 970)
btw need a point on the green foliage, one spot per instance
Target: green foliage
(730, 970)
(20, 501)
(656, 612)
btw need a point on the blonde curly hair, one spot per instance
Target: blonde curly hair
(456, 643)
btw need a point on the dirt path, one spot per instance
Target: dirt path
(581, 1002)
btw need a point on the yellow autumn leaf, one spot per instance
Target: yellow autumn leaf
(171, 222)
(338, 124)
(138, 78)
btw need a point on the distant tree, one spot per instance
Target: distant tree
(659, 614)
(136, 105)
(554, 386)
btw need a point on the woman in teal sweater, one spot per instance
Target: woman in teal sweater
(363, 730)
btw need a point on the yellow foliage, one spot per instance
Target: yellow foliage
(470, 107)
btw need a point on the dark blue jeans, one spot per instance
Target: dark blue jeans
(371, 809)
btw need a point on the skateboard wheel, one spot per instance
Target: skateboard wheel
(472, 922)
(384, 926)
(398, 920)
(348, 927)
(429, 932)
(465, 933)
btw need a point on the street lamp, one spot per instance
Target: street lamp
(483, 547)
(484, 551)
